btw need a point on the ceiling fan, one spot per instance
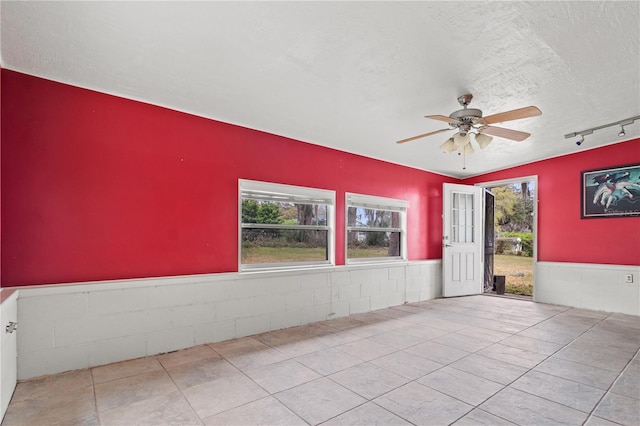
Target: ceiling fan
(467, 119)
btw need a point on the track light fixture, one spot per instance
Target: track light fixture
(620, 123)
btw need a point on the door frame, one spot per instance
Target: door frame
(530, 178)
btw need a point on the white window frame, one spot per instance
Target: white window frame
(268, 191)
(379, 203)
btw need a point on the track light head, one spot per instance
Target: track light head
(621, 133)
(579, 141)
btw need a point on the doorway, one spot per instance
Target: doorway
(510, 236)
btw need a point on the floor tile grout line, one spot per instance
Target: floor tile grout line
(526, 372)
(95, 397)
(451, 332)
(466, 356)
(609, 391)
(438, 369)
(537, 364)
(445, 312)
(363, 362)
(532, 368)
(179, 389)
(269, 394)
(322, 376)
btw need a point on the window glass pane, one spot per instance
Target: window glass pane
(286, 213)
(462, 218)
(372, 218)
(305, 214)
(375, 228)
(363, 244)
(283, 245)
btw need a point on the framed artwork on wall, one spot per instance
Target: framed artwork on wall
(610, 192)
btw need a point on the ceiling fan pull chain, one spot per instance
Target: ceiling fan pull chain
(464, 159)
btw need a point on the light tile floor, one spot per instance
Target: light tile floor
(464, 361)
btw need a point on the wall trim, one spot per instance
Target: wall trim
(72, 287)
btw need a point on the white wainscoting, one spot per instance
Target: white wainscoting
(589, 286)
(80, 325)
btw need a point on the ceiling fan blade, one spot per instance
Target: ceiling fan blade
(500, 132)
(515, 114)
(443, 118)
(422, 136)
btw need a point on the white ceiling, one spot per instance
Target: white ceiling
(356, 76)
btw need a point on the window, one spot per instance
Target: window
(284, 226)
(376, 228)
(462, 214)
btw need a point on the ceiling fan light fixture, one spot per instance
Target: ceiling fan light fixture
(483, 140)
(467, 149)
(461, 140)
(448, 146)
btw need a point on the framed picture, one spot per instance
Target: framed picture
(611, 192)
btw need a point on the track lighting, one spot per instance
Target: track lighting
(620, 123)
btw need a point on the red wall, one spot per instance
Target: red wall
(562, 235)
(98, 187)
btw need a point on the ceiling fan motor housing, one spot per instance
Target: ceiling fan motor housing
(466, 117)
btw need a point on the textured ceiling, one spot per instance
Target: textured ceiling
(356, 76)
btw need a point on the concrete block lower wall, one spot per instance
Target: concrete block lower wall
(74, 326)
(589, 286)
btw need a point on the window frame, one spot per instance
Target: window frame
(378, 203)
(268, 191)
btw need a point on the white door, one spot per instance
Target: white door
(8, 350)
(462, 262)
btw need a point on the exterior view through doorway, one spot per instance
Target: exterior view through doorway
(510, 236)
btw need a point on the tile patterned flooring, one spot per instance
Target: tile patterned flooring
(463, 361)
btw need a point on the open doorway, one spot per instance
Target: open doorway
(510, 240)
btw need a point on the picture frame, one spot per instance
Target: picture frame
(610, 192)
